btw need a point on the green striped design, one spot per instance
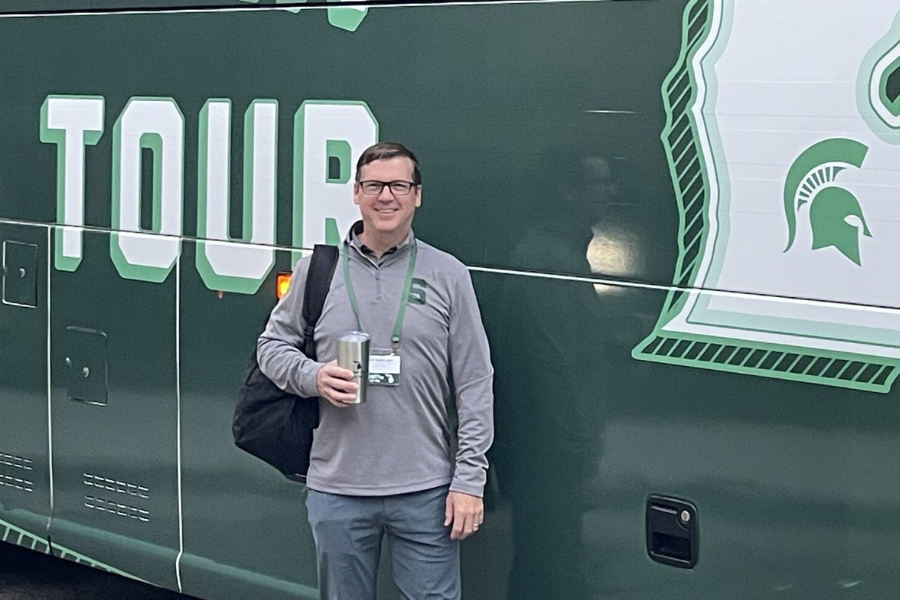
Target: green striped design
(14, 535)
(18, 536)
(778, 362)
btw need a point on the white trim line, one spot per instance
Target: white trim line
(29, 223)
(49, 386)
(178, 416)
(248, 8)
(600, 111)
(692, 292)
(578, 278)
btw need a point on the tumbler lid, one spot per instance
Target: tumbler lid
(354, 336)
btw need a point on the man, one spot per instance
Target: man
(410, 461)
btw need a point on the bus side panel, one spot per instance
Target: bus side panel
(24, 444)
(115, 418)
(245, 532)
(795, 486)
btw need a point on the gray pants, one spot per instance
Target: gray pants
(348, 531)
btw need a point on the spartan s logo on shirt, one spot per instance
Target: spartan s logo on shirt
(417, 291)
(783, 141)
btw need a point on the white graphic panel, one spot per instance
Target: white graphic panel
(223, 264)
(322, 200)
(154, 123)
(791, 215)
(72, 123)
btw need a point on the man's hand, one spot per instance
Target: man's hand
(336, 384)
(465, 512)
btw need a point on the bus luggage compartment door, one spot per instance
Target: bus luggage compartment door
(24, 466)
(115, 418)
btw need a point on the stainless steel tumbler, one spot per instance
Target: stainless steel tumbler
(353, 354)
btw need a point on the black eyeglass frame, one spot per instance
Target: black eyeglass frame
(389, 184)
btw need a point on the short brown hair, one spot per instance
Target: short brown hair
(385, 151)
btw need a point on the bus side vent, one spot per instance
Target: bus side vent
(98, 482)
(16, 472)
(116, 497)
(117, 508)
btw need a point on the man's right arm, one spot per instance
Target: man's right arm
(278, 349)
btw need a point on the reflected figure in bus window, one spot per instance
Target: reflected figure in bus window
(550, 383)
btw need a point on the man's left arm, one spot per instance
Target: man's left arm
(473, 377)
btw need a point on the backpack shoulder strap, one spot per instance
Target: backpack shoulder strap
(318, 281)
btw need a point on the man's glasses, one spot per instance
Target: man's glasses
(398, 188)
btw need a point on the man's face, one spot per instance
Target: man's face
(387, 212)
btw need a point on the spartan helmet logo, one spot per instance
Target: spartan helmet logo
(835, 215)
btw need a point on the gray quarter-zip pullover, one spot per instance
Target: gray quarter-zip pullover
(432, 429)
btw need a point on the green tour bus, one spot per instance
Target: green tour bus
(670, 211)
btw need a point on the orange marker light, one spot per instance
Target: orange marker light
(282, 284)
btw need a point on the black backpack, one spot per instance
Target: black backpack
(269, 423)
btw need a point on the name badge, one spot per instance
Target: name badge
(384, 368)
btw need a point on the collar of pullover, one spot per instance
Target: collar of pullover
(354, 241)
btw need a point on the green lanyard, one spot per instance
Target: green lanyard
(404, 298)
